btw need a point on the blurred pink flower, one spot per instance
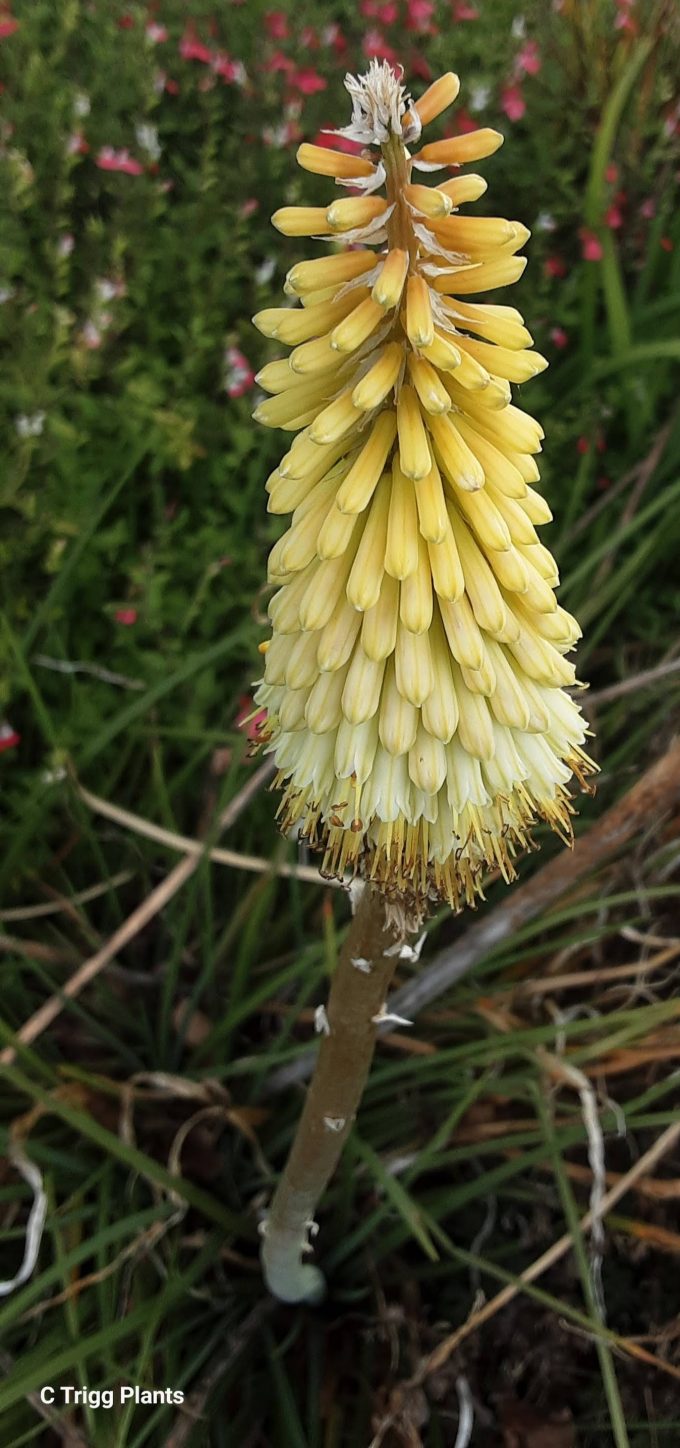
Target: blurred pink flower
(77, 145)
(8, 25)
(157, 34)
(671, 122)
(463, 122)
(91, 336)
(375, 46)
(332, 35)
(191, 48)
(419, 16)
(461, 12)
(238, 374)
(276, 24)
(648, 208)
(8, 736)
(513, 102)
(624, 21)
(555, 266)
(126, 616)
(249, 716)
(614, 216)
(248, 207)
(230, 70)
(529, 61)
(108, 159)
(583, 446)
(559, 337)
(387, 14)
(338, 143)
(307, 82)
(666, 242)
(279, 61)
(418, 65)
(612, 173)
(309, 39)
(591, 246)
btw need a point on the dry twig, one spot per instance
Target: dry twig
(42, 1018)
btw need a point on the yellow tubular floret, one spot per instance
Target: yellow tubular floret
(353, 211)
(414, 683)
(390, 284)
(441, 94)
(330, 271)
(419, 321)
(302, 221)
(472, 146)
(325, 162)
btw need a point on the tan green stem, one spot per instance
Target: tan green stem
(357, 997)
(400, 232)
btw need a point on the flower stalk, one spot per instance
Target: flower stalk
(415, 682)
(349, 1028)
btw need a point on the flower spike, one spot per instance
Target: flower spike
(415, 680)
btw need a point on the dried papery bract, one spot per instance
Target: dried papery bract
(415, 681)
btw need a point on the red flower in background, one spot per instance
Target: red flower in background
(591, 246)
(109, 159)
(419, 16)
(513, 102)
(376, 47)
(555, 266)
(462, 123)
(307, 82)
(191, 48)
(529, 58)
(418, 66)
(77, 145)
(614, 216)
(387, 14)
(276, 24)
(126, 616)
(338, 143)
(251, 717)
(239, 376)
(228, 69)
(279, 61)
(559, 337)
(462, 12)
(333, 35)
(8, 736)
(8, 25)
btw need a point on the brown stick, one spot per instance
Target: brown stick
(641, 1168)
(47, 1013)
(350, 1026)
(656, 792)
